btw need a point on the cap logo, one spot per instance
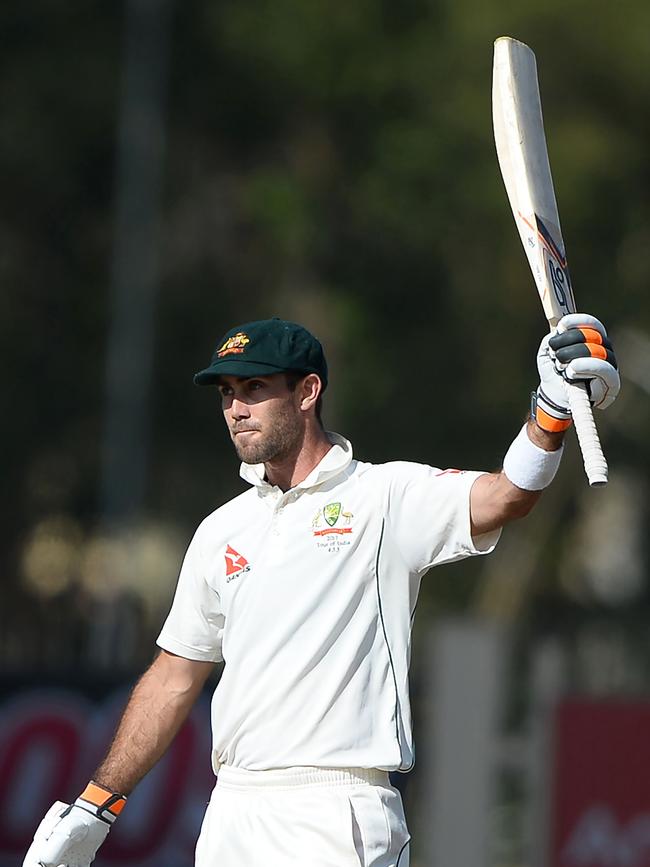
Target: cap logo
(234, 345)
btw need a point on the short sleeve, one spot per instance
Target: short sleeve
(194, 625)
(429, 515)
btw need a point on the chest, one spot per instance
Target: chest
(304, 553)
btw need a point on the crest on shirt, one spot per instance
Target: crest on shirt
(336, 519)
(234, 345)
(236, 564)
(331, 513)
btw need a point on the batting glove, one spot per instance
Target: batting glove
(70, 835)
(579, 351)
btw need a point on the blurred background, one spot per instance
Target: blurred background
(171, 169)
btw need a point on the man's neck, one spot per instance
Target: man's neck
(292, 470)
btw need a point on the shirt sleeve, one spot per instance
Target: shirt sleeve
(195, 623)
(429, 515)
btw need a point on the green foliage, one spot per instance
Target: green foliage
(327, 162)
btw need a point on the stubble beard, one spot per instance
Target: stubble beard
(280, 442)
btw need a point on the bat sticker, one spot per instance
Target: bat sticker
(558, 269)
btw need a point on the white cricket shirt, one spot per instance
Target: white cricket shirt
(308, 596)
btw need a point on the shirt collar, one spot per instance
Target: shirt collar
(337, 459)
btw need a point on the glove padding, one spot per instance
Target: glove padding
(68, 836)
(582, 352)
(579, 351)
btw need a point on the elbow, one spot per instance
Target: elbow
(522, 505)
(496, 501)
(181, 679)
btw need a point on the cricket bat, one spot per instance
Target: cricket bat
(523, 159)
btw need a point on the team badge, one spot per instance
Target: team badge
(234, 345)
(331, 513)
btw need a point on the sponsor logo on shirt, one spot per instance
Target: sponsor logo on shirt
(236, 564)
(234, 345)
(331, 514)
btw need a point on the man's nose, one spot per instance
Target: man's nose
(239, 409)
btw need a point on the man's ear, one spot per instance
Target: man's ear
(310, 389)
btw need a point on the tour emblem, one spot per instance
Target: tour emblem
(234, 345)
(236, 565)
(336, 519)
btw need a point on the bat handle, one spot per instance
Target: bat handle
(583, 419)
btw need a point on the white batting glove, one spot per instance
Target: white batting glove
(579, 351)
(70, 835)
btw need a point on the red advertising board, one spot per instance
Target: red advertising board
(50, 742)
(601, 797)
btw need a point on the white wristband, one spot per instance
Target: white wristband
(529, 467)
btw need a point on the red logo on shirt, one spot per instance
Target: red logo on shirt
(235, 563)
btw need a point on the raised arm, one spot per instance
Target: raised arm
(579, 351)
(157, 708)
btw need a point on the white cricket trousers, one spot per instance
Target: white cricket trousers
(303, 817)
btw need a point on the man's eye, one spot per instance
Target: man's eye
(255, 384)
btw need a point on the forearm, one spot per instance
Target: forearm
(157, 708)
(496, 499)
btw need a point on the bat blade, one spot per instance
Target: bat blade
(523, 159)
(526, 171)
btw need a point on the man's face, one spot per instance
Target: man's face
(263, 417)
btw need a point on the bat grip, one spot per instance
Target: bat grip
(583, 419)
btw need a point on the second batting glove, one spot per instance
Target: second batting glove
(70, 835)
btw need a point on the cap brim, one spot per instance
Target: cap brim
(232, 367)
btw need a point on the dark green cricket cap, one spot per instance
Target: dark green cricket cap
(264, 347)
